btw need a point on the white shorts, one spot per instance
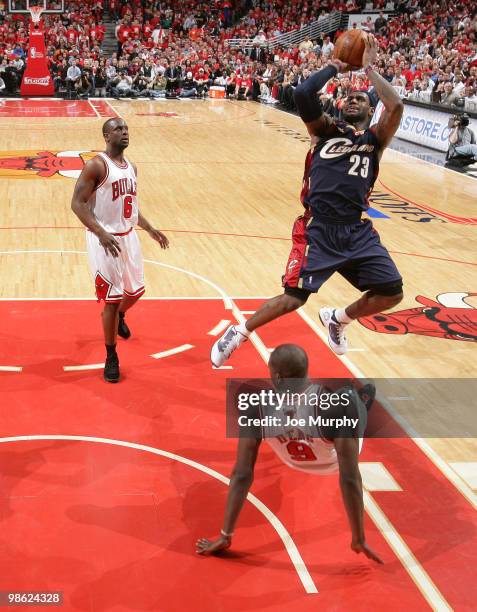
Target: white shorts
(116, 277)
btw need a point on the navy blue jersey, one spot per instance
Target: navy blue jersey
(340, 172)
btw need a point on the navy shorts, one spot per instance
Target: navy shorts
(321, 249)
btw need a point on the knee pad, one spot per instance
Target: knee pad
(387, 289)
(297, 292)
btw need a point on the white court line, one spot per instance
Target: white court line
(223, 367)
(404, 398)
(279, 527)
(10, 369)
(114, 109)
(79, 368)
(409, 561)
(173, 351)
(94, 108)
(430, 453)
(219, 328)
(248, 312)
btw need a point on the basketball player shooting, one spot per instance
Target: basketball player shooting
(329, 450)
(105, 201)
(340, 171)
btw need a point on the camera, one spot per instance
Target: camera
(462, 120)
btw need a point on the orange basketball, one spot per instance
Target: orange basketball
(349, 48)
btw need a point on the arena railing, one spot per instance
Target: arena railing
(333, 22)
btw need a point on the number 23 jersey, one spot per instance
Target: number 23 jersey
(340, 172)
(114, 202)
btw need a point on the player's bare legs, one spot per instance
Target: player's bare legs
(126, 303)
(336, 319)
(110, 328)
(370, 303)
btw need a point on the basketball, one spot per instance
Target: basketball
(349, 48)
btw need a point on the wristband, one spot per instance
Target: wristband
(225, 534)
(368, 69)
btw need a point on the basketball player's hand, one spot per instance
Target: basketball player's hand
(203, 546)
(341, 67)
(370, 51)
(160, 238)
(364, 548)
(109, 243)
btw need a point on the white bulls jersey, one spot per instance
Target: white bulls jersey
(304, 448)
(114, 202)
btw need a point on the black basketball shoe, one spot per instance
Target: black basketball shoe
(111, 368)
(367, 393)
(123, 329)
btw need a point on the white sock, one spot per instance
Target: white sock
(242, 330)
(341, 316)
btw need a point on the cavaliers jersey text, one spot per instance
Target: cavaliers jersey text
(114, 202)
(340, 172)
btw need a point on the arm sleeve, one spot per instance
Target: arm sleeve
(308, 104)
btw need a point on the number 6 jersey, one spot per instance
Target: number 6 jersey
(114, 202)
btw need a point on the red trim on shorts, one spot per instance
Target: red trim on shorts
(124, 233)
(137, 293)
(113, 299)
(104, 179)
(297, 258)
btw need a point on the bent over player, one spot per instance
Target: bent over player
(321, 449)
(105, 200)
(340, 170)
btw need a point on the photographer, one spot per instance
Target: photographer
(462, 143)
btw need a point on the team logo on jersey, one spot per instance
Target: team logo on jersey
(43, 164)
(335, 147)
(450, 317)
(292, 264)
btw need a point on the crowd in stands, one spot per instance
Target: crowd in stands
(427, 48)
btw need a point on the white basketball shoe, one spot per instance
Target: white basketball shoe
(226, 345)
(336, 331)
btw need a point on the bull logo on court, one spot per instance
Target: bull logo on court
(43, 164)
(449, 317)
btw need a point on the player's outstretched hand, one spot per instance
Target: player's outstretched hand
(109, 244)
(341, 66)
(370, 50)
(364, 548)
(203, 546)
(160, 238)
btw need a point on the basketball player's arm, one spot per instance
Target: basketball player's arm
(393, 105)
(147, 227)
(240, 483)
(89, 179)
(347, 450)
(309, 105)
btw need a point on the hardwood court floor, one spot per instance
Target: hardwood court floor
(222, 179)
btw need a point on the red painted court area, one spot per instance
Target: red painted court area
(56, 108)
(114, 526)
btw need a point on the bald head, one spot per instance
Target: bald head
(109, 125)
(288, 361)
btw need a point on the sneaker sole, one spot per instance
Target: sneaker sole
(112, 380)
